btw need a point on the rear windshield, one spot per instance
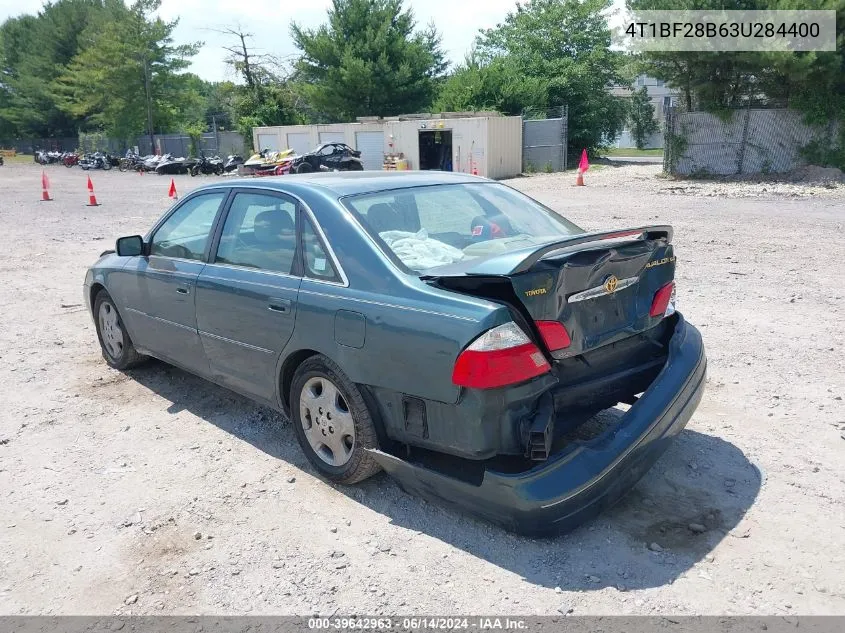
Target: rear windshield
(425, 228)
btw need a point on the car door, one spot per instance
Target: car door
(160, 285)
(247, 294)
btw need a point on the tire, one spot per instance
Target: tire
(304, 168)
(106, 165)
(115, 344)
(123, 165)
(218, 170)
(319, 390)
(194, 171)
(354, 165)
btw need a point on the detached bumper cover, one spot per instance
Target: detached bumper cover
(587, 477)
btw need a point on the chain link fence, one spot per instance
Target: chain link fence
(544, 139)
(742, 141)
(222, 143)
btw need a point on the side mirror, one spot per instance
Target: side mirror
(131, 246)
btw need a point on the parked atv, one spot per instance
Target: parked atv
(329, 157)
(205, 165)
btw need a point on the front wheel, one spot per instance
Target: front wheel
(106, 165)
(118, 350)
(333, 425)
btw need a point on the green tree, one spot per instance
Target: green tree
(34, 51)
(368, 60)
(127, 76)
(496, 84)
(266, 97)
(545, 54)
(641, 117)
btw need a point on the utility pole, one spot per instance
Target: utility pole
(149, 95)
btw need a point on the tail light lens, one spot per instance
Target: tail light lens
(499, 357)
(554, 334)
(663, 303)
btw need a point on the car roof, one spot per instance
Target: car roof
(348, 183)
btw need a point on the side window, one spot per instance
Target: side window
(318, 265)
(259, 232)
(185, 233)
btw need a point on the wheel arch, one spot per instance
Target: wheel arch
(292, 363)
(289, 367)
(96, 288)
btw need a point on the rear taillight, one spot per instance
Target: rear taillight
(554, 334)
(501, 356)
(663, 303)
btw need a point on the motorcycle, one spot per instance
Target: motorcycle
(205, 165)
(69, 159)
(131, 162)
(232, 162)
(97, 160)
(47, 158)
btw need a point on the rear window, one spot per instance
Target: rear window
(424, 228)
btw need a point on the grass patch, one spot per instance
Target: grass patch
(633, 151)
(18, 159)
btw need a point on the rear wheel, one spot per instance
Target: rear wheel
(333, 425)
(304, 168)
(117, 347)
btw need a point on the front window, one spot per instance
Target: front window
(428, 227)
(185, 233)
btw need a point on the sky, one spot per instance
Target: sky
(458, 21)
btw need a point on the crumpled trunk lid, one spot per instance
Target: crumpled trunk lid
(600, 286)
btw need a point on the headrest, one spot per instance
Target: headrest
(271, 225)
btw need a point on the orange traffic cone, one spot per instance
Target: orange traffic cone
(92, 199)
(45, 185)
(172, 193)
(583, 166)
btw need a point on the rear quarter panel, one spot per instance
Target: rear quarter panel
(412, 332)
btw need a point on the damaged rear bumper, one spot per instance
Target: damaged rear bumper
(587, 477)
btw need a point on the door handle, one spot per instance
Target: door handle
(279, 305)
(182, 291)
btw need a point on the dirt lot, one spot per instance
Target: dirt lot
(156, 492)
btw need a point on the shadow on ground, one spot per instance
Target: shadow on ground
(701, 479)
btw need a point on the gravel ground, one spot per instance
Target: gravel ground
(156, 492)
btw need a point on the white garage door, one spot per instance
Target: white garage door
(268, 141)
(332, 137)
(371, 146)
(300, 142)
